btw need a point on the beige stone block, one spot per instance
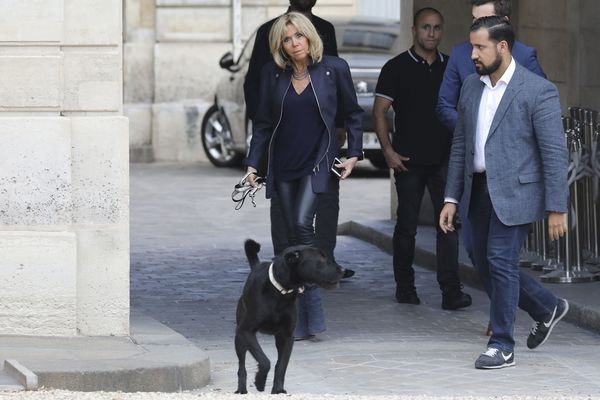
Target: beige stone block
(93, 22)
(187, 71)
(30, 81)
(93, 80)
(346, 9)
(103, 281)
(176, 131)
(190, 24)
(39, 293)
(140, 123)
(252, 18)
(35, 178)
(552, 51)
(31, 21)
(543, 14)
(139, 14)
(100, 173)
(138, 72)
(164, 3)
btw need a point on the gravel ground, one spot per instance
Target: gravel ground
(67, 395)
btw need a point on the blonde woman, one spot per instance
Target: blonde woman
(302, 93)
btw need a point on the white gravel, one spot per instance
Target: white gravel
(67, 395)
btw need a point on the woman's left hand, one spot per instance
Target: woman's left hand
(348, 166)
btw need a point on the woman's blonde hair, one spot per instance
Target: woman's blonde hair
(305, 27)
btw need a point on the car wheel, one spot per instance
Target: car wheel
(378, 161)
(217, 139)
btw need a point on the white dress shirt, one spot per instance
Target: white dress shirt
(490, 99)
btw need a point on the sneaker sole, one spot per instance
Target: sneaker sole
(556, 321)
(511, 364)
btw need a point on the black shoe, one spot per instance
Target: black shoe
(542, 329)
(348, 273)
(495, 358)
(454, 298)
(407, 297)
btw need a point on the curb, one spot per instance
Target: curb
(154, 358)
(578, 314)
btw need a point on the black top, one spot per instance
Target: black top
(298, 136)
(261, 54)
(413, 85)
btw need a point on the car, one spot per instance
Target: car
(365, 43)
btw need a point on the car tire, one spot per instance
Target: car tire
(217, 139)
(378, 161)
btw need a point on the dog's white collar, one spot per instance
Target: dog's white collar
(278, 285)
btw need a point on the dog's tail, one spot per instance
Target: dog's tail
(252, 248)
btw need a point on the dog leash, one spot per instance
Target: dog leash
(244, 189)
(278, 285)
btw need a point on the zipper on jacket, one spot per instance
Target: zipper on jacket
(316, 167)
(277, 126)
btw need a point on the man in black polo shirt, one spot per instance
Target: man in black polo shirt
(328, 206)
(418, 154)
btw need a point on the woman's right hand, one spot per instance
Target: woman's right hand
(251, 176)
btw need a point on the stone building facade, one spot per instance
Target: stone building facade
(64, 188)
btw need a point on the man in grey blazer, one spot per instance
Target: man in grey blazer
(509, 164)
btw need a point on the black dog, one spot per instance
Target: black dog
(268, 305)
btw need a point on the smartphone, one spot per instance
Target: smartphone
(337, 170)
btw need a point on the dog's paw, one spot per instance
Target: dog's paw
(260, 386)
(241, 391)
(278, 391)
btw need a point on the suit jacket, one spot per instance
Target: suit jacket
(334, 89)
(460, 66)
(261, 55)
(525, 153)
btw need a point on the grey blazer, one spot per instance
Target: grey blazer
(526, 154)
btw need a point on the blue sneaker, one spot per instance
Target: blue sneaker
(494, 358)
(542, 329)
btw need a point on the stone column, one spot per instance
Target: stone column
(64, 188)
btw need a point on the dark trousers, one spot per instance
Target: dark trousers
(496, 252)
(326, 221)
(410, 186)
(298, 205)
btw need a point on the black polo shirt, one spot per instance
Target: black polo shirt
(412, 85)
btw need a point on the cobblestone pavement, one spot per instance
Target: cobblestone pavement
(188, 269)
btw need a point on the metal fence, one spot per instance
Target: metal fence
(575, 257)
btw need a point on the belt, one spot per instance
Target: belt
(479, 177)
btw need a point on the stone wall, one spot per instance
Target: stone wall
(64, 189)
(172, 51)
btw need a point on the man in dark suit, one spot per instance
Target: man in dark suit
(509, 165)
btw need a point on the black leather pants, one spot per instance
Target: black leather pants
(298, 204)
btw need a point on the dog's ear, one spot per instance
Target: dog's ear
(292, 258)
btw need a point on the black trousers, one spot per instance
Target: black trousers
(298, 204)
(410, 187)
(326, 221)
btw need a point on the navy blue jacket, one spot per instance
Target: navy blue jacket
(460, 66)
(334, 90)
